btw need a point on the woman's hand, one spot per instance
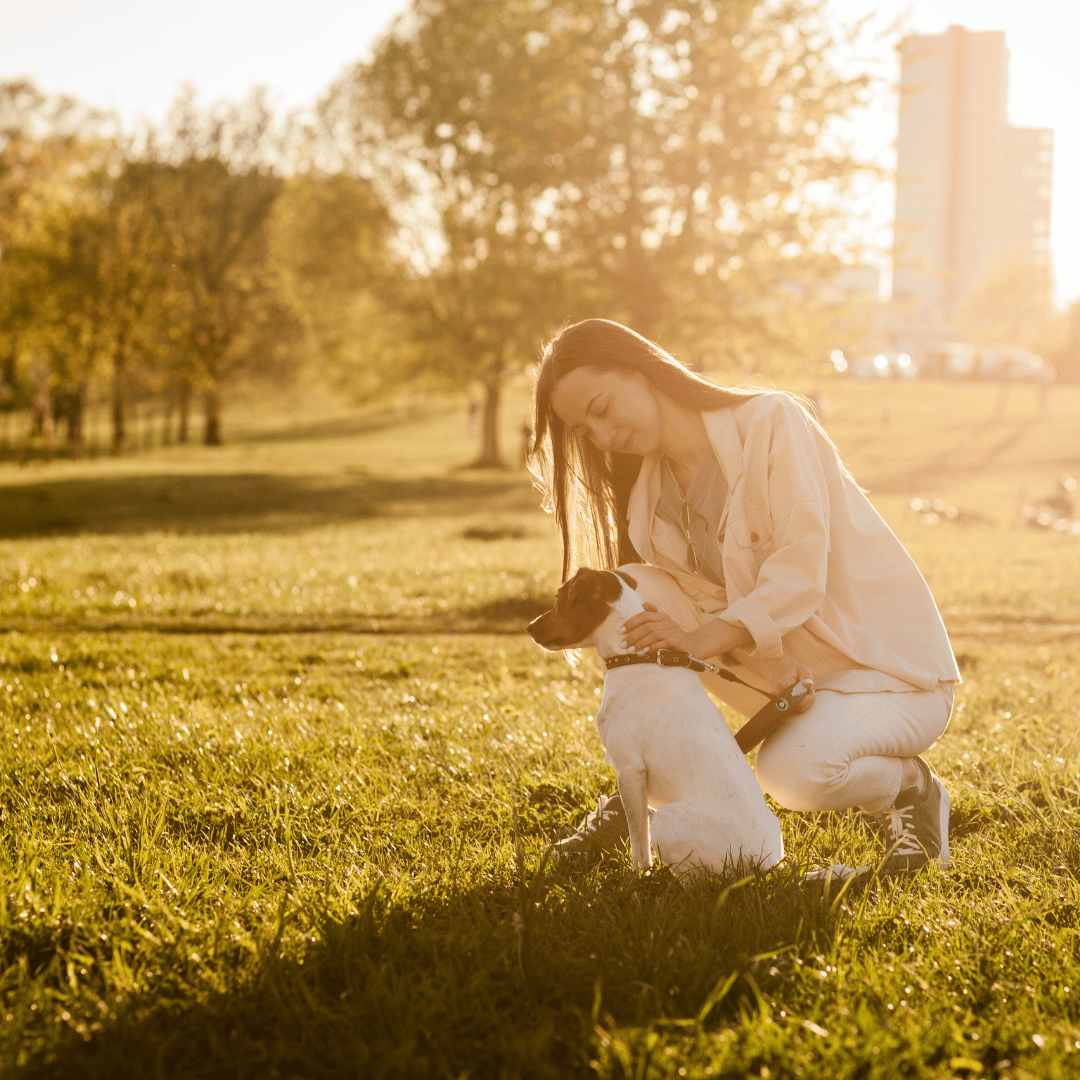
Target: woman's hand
(802, 674)
(652, 629)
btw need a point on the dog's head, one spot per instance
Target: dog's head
(581, 606)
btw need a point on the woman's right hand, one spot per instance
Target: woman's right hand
(797, 673)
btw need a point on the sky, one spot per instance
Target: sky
(132, 56)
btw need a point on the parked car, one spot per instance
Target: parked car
(884, 366)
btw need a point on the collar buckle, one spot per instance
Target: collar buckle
(673, 658)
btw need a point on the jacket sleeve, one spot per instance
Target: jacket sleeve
(782, 463)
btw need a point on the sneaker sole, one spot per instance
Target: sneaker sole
(943, 823)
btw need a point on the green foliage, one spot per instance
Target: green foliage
(673, 165)
(329, 240)
(141, 264)
(51, 153)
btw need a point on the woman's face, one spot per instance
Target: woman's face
(615, 408)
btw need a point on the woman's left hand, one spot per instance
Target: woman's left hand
(652, 629)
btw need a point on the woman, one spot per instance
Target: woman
(759, 548)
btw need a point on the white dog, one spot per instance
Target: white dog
(672, 751)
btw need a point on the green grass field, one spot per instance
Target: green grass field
(281, 765)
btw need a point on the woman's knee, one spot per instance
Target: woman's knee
(796, 777)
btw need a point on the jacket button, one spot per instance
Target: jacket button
(754, 538)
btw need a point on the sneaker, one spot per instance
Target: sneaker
(917, 826)
(601, 830)
(838, 873)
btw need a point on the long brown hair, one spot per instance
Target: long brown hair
(587, 489)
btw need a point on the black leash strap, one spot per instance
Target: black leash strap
(759, 727)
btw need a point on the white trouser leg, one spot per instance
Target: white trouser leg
(847, 749)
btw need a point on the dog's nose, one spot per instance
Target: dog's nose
(537, 633)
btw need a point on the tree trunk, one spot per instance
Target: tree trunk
(184, 400)
(211, 417)
(76, 409)
(119, 405)
(489, 433)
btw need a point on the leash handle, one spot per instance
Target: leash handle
(769, 718)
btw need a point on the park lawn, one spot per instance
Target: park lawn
(281, 767)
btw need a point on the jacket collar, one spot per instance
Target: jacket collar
(724, 438)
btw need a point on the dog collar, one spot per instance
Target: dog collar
(681, 658)
(664, 658)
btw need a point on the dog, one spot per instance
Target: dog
(688, 792)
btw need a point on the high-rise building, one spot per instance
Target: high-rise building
(969, 185)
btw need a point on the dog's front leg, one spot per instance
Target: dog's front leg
(633, 790)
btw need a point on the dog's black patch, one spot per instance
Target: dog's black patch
(581, 605)
(592, 586)
(626, 577)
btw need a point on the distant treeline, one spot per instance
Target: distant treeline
(491, 171)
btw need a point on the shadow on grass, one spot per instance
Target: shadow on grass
(955, 464)
(497, 980)
(242, 501)
(506, 615)
(339, 427)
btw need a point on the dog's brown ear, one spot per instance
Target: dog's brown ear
(577, 588)
(589, 584)
(627, 578)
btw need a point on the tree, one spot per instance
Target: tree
(1067, 358)
(474, 292)
(329, 237)
(214, 191)
(671, 163)
(142, 260)
(1013, 304)
(52, 154)
(60, 273)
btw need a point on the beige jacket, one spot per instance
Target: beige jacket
(811, 570)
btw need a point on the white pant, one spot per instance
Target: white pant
(845, 750)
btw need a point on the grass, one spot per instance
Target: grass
(280, 768)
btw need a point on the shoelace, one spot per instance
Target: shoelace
(900, 831)
(595, 821)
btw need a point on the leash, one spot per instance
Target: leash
(759, 727)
